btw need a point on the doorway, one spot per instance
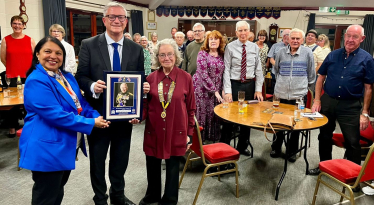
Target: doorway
(335, 34)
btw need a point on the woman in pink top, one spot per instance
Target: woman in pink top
(16, 55)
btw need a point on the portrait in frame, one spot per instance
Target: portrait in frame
(280, 33)
(123, 97)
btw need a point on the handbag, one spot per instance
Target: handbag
(279, 122)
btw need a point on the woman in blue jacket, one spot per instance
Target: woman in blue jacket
(56, 111)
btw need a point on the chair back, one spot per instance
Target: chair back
(264, 90)
(367, 170)
(197, 144)
(309, 99)
(368, 133)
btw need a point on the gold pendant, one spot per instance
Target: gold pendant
(163, 114)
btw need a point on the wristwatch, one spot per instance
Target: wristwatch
(366, 115)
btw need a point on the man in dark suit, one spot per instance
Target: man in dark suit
(108, 51)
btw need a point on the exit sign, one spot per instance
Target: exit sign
(332, 9)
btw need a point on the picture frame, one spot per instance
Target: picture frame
(280, 32)
(151, 15)
(123, 97)
(150, 36)
(151, 25)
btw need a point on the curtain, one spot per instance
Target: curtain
(54, 13)
(368, 43)
(312, 22)
(137, 22)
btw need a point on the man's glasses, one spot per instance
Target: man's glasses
(163, 55)
(198, 31)
(121, 18)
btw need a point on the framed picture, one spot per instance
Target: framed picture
(280, 33)
(151, 25)
(151, 15)
(123, 98)
(150, 36)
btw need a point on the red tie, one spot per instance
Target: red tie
(243, 72)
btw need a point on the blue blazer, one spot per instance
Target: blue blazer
(49, 136)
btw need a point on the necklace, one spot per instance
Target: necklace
(161, 96)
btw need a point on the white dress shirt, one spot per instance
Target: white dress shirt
(70, 64)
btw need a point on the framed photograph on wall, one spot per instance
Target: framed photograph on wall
(151, 25)
(151, 15)
(150, 36)
(123, 98)
(280, 33)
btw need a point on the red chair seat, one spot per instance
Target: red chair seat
(269, 96)
(338, 140)
(19, 132)
(220, 152)
(342, 169)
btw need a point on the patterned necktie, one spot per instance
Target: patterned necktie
(116, 61)
(243, 72)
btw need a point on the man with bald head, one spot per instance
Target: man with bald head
(251, 36)
(190, 37)
(276, 47)
(348, 74)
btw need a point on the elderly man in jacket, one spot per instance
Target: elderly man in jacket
(294, 71)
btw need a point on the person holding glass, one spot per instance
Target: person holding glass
(16, 55)
(264, 49)
(207, 82)
(57, 31)
(169, 114)
(294, 71)
(56, 112)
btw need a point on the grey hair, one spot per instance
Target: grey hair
(190, 31)
(154, 34)
(362, 29)
(242, 23)
(296, 30)
(143, 37)
(113, 4)
(180, 33)
(177, 53)
(199, 24)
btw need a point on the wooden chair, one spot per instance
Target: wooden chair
(19, 132)
(212, 155)
(347, 174)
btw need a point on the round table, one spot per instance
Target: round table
(257, 116)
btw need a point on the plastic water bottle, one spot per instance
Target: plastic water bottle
(301, 106)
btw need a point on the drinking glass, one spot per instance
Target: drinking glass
(7, 80)
(241, 98)
(276, 101)
(225, 104)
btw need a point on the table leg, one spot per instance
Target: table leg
(286, 140)
(249, 143)
(306, 147)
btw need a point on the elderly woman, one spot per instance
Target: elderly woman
(324, 43)
(264, 49)
(147, 55)
(169, 113)
(128, 36)
(207, 82)
(57, 31)
(56, 111)
(136, 38)
(153, 42)
(16, 55)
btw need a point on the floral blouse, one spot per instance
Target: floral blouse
(264, 56)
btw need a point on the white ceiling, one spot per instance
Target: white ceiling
(261, 3)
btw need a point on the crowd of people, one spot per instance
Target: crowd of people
(187, 75)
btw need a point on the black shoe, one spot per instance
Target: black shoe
(122, 201)
(275, 153)
(142, 202)
(12, 135)
(292, 159)
(357, 189)
(314, 171)
(245, 152)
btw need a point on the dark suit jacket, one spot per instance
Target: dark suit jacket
(94, 59)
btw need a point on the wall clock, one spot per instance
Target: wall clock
(22, 9)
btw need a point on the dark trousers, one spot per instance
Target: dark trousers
(118, 136)
(153, 194)
(227, 127)
(279, 137)
(48, 187)
(347, 113)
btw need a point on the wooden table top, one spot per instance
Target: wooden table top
(255, 114)
(9, 102)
